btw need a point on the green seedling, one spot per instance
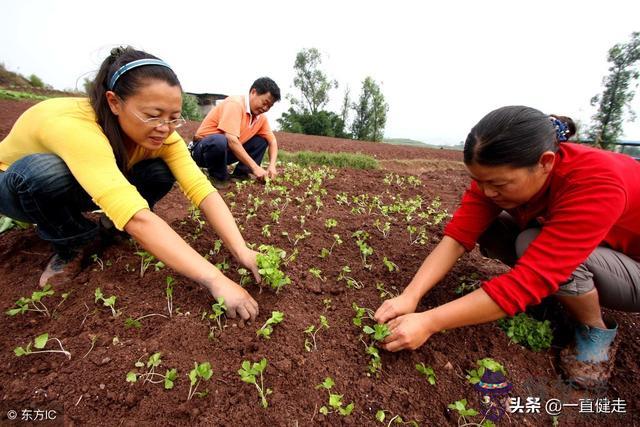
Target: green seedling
(107, 302)
(7, 223)
(145, 261)
(381, 416)
(39, 343)
(365, 249)
(386, 293)
(169, 294)
(93, 338)
(217, 315)
(330, 223)
(525, 330)
(223, 265)
(292, 257)
(327, 303)
(200, 372)
(95, 258)
(196, 217)
(427, 372)
(317, 273)
(417, 235)
(335, 400)
(275, 216)
(468, 284)
(384, 229)
(33, 303)
(474, 375)
(351, 282)
(379, 331)
(460, 406)
(391, 266)
(342, 199)
(249, 374)
(245, 277)
(269, 260)
(266, 230)
(151, 375)
(312, 331)
(217, 245)
(266, 329)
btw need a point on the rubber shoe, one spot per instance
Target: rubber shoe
(589, 362)
(59, 266)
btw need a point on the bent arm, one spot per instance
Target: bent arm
(241, 154)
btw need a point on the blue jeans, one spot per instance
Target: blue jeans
(40, 189)
(212, 152)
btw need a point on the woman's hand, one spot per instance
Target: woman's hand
(272, 172)
(408, 332)
(394, 307)
(236, 298)
(248, 259)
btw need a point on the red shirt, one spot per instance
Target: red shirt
(591, 197)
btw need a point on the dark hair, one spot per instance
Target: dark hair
(128, 84)
(264, 85)
(514, 135)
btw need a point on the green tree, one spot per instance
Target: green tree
(370, 112)
(190, 108)
(313, 83)
(36, 81)
(324, 123)
(618, 92)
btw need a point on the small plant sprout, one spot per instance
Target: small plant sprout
(275, 216)
(245, 277)
(312, 331)
(95, 258)
(379, 331)
(327, 303)
(200, 372)
(34, 303)
(468, 284)
(460, 406)
(223, 265)
(266, 230)
(381, 416)
(342, 199)
(169, 294)
(330, 223)
(351, 282)
(266, 329)
(317, 273)
(386, 293)
(365, 249)
(269, 260)
(383, 228)
(218, 310)
(145, 261)
(151, 375)
(217, 245)
(335, 400)
(39, 343)
(391, 266)
(361, 312)
(427, 372)
(417, 235)
(292, 257)
(250, 372)
(107, 302)
(474, 375)
(525, 330)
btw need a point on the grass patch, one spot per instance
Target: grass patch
(337, 160)
(17, 96)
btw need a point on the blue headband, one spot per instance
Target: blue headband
(562, 130)
(131, 65)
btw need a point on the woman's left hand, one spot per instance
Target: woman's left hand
(408, 332)
(248, 258)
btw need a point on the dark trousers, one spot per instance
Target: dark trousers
(40, 189)
(615, 275)
(212, 152)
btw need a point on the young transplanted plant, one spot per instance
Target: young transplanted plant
(200, 372)
(218, 310)
(107, 302)
(39, 343)
(381, 415)
(151, 375)
(269, 260)
(266, 329)
(250, 373)
(427, 372)
(34, 303)
(312, 331)
(335, 400)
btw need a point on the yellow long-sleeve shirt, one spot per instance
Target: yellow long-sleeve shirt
(67, 127)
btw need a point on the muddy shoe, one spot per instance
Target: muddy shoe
(589, 362)
(60, 268)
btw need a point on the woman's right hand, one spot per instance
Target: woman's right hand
(236, 298)
(394, 307)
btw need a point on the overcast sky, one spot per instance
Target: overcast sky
(443, 65)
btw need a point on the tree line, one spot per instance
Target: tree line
(363, 119)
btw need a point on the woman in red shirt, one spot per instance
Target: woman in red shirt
(564, 216)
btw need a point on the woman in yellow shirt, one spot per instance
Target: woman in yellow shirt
(117, 151)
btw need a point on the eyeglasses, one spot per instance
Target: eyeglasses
(157, 122)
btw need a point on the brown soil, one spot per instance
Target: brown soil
(90, 388)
